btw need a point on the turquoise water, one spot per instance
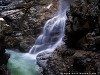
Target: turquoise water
(21, 64)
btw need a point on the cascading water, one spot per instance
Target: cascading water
(49, 40)
(52, 35)
(53, 31)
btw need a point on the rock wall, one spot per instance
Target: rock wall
(83, 25)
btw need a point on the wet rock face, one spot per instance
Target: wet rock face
(26, 24)
(83, 26)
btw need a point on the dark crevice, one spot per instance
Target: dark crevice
(75, 36)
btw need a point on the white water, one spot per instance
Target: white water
(53, 31)
(49, 40)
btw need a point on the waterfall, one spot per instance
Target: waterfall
(50, 38)
(53, 31)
